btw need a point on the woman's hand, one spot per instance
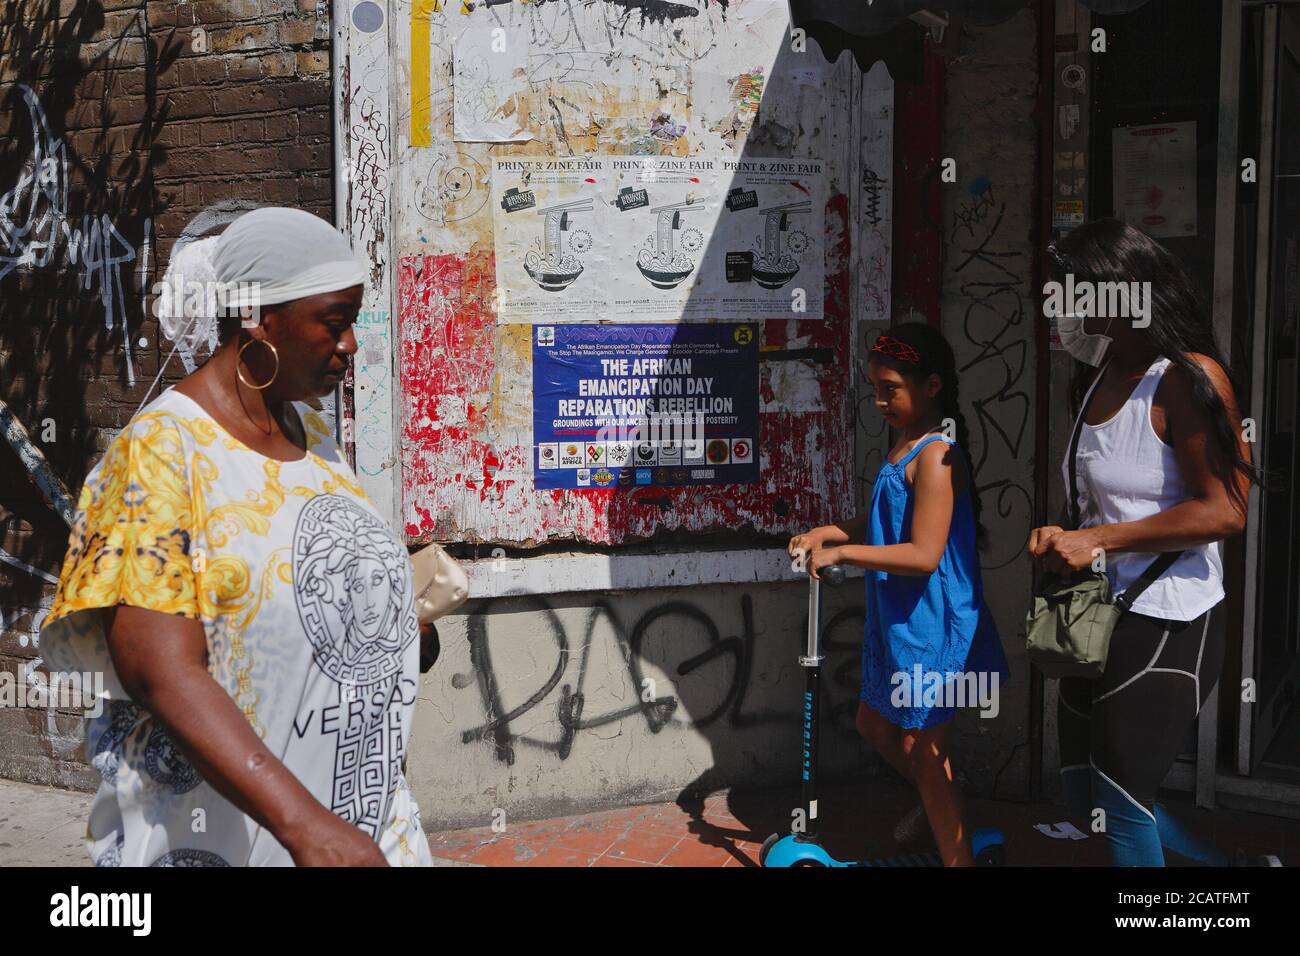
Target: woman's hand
(1038, 539)
(842, 532)
(1068, 551)
(821, 559)
(1038, 546)
(329, 840)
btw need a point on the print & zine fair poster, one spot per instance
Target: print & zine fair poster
(631, 405)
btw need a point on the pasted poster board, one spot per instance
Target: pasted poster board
(1154, 177)
(666, 238)
(636, 405)
(652, 103)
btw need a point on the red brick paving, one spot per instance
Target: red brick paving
(728, 829)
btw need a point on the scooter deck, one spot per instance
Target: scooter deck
(904, 859)
(793, 851)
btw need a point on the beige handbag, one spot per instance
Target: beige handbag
(440, 583)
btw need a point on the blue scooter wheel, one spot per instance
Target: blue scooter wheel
(989, 848)
(995, 855)
(767, 845)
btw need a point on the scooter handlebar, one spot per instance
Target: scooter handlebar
(832, 575)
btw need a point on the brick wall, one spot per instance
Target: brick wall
(120, 122)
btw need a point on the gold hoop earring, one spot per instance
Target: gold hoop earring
(240, 373)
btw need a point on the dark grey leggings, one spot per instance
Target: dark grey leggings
(1120, 734)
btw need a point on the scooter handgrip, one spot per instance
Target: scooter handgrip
(833, 575)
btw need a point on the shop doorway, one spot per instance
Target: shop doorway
(1269, 726)
(1223, 99)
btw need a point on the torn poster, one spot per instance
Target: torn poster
(631, 405)
(488, 86)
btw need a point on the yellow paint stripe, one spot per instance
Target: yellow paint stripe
(421, 11)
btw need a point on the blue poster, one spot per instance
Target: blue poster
(626, 406)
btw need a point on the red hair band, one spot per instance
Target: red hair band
(895, 349)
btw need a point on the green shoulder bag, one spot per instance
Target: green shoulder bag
(1068, 629)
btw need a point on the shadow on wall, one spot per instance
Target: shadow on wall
(79, 120)
(733, 681)
(806, 401)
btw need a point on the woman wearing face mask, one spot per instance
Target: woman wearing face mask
(1161, 467)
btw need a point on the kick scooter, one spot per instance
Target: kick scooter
(804, 849)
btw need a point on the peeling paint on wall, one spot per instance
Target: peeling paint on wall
(467, 435)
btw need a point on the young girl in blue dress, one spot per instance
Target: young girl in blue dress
(925, 611)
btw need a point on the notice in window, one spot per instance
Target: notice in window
(1154, 170)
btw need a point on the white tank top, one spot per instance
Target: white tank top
(1125, 473)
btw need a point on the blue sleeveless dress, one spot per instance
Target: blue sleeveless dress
(938, 621)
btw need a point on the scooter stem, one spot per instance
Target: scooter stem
(812, 649)
(811, 661)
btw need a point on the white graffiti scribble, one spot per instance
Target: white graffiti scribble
(34, 223)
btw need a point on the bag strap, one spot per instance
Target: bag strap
(1074, 449)
(1156, 568)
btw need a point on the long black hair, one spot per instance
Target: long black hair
(934, 356)
(1107, 250)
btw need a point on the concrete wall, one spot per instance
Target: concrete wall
(121, 122)
(540, 706)
(990, 313)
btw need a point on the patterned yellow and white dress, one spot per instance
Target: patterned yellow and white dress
(305, 595)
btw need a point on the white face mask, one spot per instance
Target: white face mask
(1085, 346)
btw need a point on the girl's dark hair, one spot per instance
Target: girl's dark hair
(1107, 250)
(934, 356)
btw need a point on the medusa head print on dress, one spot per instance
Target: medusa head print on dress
(352, 591)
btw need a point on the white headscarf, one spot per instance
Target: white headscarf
(276, 254)
(187, 304)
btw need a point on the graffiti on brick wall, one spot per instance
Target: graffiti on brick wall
(996, 334)
(714, 678)
(37, 231)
